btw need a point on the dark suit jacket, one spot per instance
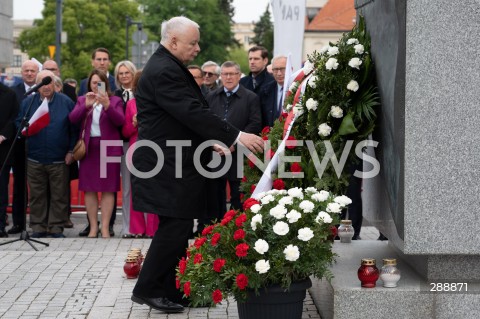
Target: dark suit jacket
(243, 112)
(69, 91)
(8, 112)
(269, 101)
(83, 85)
(262, 79)
(19, 90)
(171, 107)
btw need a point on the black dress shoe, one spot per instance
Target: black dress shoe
(15, 229)
(3, 234)
(162, 304)
(356, 237)
(110, 229)
(382, 237)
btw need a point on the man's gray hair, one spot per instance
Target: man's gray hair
(175, 25)
(211, 63)
(231, 64)
(278, 57)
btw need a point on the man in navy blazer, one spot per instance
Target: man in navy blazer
(271, 96)
(100, 61)
(258, 76)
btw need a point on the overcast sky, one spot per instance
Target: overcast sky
(245, 10)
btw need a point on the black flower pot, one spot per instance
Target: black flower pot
(275, 303)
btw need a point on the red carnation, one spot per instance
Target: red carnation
(282, 117)
(182, 265)
(241, 250)
(217, 296)
(207, 230)
(230, 214)
(265, 138)
(291, 142)
(240, 220)
(251, 163)
(177, 282)
(197, 258)
(199, 242)
(278, 184)
(239, 234)
(241, 196)
(218, 264)
(296, 168)
(242, 281)
(334, 231)
(215, 239)
(226, 220)
(249, 203)
(244, 179)
(186, 288)
(265, 130)
(252, 188)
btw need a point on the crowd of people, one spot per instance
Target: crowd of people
(249, 102)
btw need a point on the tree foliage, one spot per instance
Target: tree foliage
(89, 24)
(264, 32)
(213, 16)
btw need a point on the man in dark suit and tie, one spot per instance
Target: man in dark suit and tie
(100, 61)
(175, 117)
(271, 95)
(258, 76)
(29, 74)
(8, 113)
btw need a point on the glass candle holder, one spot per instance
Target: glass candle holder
(345, 231)
(368, 273)
(389, 274)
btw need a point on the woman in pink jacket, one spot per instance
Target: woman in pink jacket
(139, 225)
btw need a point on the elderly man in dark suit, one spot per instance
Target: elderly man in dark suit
(174, 118)
(8, 113)
(271, 95)
(241, 108)
(29, 75)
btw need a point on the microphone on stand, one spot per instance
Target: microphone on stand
(46, 80)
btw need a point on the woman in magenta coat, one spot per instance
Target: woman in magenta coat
(139, 225)
(101, 116)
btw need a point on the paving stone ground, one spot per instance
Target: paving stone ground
(78, 277)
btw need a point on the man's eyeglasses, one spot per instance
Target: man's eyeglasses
(208, 74)
(226, 75)
(51, 69)
(275, 70)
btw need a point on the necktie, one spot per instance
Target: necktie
(227, 103)
(254, 83)
(127, 95)
(280, 103)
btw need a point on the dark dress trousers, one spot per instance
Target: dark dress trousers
(171, 108)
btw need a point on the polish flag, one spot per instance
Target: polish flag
(39, 120)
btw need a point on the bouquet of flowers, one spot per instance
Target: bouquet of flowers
(280, 238)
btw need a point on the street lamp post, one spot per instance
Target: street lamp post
(129, 23)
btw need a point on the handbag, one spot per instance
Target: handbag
(80, 149)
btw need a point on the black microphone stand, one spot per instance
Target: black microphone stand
(24, 234)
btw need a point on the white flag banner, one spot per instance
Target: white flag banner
(288, 27)
(265, 183)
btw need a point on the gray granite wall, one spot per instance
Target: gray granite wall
(6, 33)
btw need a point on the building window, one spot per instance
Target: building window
(17, 61)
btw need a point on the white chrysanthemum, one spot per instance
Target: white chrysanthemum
(282, 192)
(324, 49)
(262, 266)
(324, 129)
(342, 200)
(307, 206)
(260, 195)
(256, 220)
(296, 192)
(272, 192)
(359, 49)
(261, 246)
(311, 104)
(305, 234)
(308, 67)
(281, 228)
(353, 86)
(311, 190)
(255, 208)
(291, 253)
(321, 196)
(334, 208)
(311, 82)
(278, 212)
(298, 109)
(288, 107)
(332, 51)
(293, 86)
(267, 199)
(331, 64)
(324, 218)
(336, 111)
(293, 216)
(352, 41)
(287, 200)
(355, 63)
